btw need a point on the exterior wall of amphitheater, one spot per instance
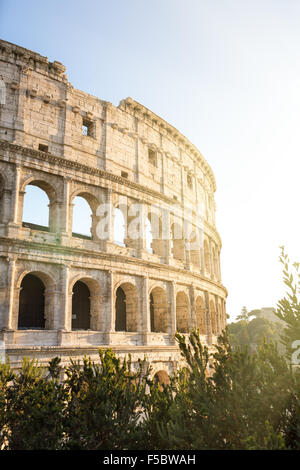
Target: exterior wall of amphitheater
(69, 143)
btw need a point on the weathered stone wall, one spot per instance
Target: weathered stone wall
(122, 155)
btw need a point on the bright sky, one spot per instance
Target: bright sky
(225, 73)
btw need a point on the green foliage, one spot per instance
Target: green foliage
(288, 309)
(104, 403)
(243, 404)
(32, 406)
(251, 333)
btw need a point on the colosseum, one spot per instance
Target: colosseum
(150, 265)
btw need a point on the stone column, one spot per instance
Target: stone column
(218, 318)
(19, 124)
(193, 307)
(66, 312)
(16, 203)
(67, 116)
(166, 233)
(146, 311)
(142, 228)
(8, 321)
(108, 307)
(172, 311)
(208, 319)
(65, 224)
(6, 198)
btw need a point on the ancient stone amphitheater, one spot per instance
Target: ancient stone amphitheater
(151, 263)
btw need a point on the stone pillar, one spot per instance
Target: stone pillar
(8, 321)
(54, 310)
(108, 307)
(65, 224)
(166, 233)
(66, 312)
(137, 144)
(19, 123)
(16, 202)
(67, 116)
(142, 228)
(193, 307)
(6, 198)
(208, 319)
(172, 311)
(163, 165)
(218, 315)
(146, 311)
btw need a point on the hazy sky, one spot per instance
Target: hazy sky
(225, 73)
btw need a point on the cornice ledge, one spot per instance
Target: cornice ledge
(84, 168)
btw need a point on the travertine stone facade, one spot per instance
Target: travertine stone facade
(69, 143)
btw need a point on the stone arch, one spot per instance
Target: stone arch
(161, 378)
(35, 300)
(88, 293)
(93, 204)
(158, 310)
(51, 193)
(200, 315)
(182, 312)
(213, 317)
(126, 307)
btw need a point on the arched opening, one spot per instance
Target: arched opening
(213, 317)
(200, 316)
(182, 312)
(36, 214)
(31, 303)
(81, 307)
(119, 227)
(161, 378)
(159, 310)
(177, 242)
(126, 308)
(82, 218)
(120, 310)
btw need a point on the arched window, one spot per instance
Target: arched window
(81, 308)
(119, 227)
(36, 208)
(82, 218)
(161, 378)
(31, 303)
(126, 308)
(159, 310)
(120, 310)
